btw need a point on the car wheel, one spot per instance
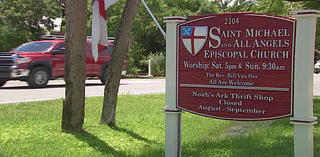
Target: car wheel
(2, 82)
(38, 77)
(103, 78)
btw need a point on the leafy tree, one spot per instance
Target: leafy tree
(21, 20)
(11, 37)
(75, 66)
(276, 7)
(148, 39)
(315, 4)
(119, 50)
(242, 6)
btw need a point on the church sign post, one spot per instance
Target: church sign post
(173, 114)
(241, 66)
(303, 119)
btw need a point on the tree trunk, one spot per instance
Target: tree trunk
(120, 48)
(75, 65)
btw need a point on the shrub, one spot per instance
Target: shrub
(158, 64)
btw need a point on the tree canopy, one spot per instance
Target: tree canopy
(149, 42)
(21, 20)
(24, 20)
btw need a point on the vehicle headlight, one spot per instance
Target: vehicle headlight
(22, 60)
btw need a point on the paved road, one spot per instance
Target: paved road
(17, 91)
(316, 84)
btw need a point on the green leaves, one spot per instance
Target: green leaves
(21, 20)
(30, 13)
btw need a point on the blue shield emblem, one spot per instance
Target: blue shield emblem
(194, 37)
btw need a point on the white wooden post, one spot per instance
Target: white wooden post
(303, 119)
(149, 66)
(173, 114)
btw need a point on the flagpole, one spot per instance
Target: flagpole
(155, 20)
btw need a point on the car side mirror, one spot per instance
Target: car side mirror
(59, 51)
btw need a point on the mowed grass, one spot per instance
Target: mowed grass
(34, 129)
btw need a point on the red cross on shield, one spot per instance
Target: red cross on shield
(194, 37)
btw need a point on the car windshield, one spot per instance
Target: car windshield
(34, 47)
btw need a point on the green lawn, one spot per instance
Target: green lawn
(33, 129)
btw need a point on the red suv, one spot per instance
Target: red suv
(37, 62)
